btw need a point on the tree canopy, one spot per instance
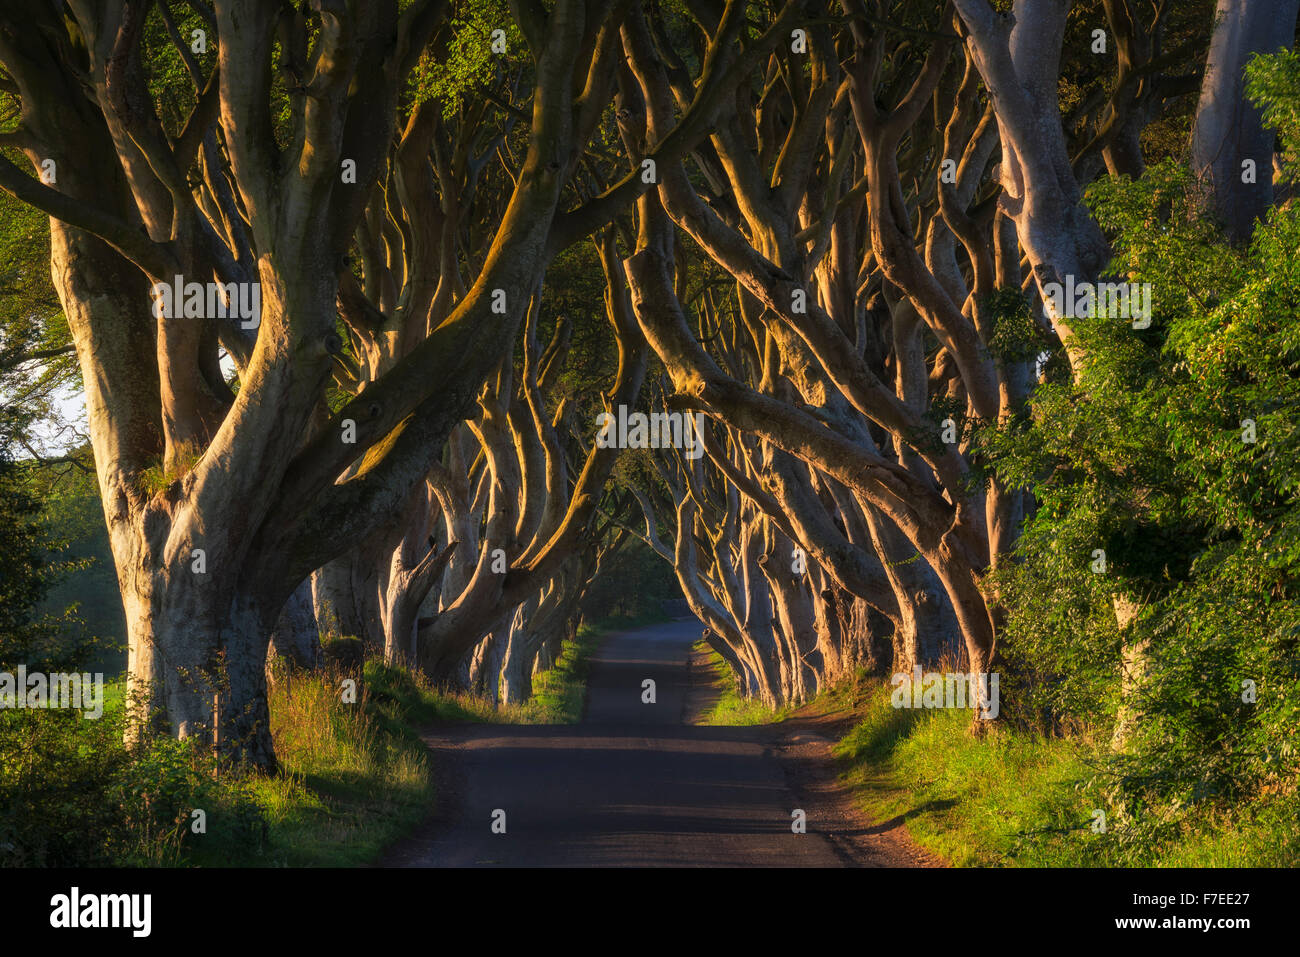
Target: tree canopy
(993, 358)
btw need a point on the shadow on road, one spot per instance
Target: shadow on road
(635, 784)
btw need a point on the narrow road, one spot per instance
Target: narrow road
(635, 784)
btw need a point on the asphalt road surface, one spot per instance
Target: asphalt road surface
(635, 784)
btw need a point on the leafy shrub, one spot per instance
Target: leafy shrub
(1176, 453)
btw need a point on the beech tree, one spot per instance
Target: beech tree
(220, 503)
(250, 502)
(828, 229)
(1231, 149)
(931, 251)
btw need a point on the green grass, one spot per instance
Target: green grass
(114, 693)
(350, 791)
(559, 693)
(731, 709)
(1013, 798)
(354, 776)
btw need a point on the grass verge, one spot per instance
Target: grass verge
(1014, 798)
(354, 776)
(731, 710)
(559, 693)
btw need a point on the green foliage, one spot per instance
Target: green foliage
(170, 84)
(37, 365)
(731, 709)
(1175, 451)
(30, 565)
(1016, 336)
(74, 796)
(574, 290)
(1275, 84)
(54, 767)
(23, 558)
(83, 592)
(353, 777)
(631, 588)
(469, 63)
(1015, 798)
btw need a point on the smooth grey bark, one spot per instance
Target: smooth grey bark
(1229, 133)
(1018, 56)
(334, 598)
(297, 637)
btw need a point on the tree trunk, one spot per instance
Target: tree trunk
(334, 600)
(1229, 133)
(517, 660)
(296, 637)
(1134, 657)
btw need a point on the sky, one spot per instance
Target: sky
(60, 437)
